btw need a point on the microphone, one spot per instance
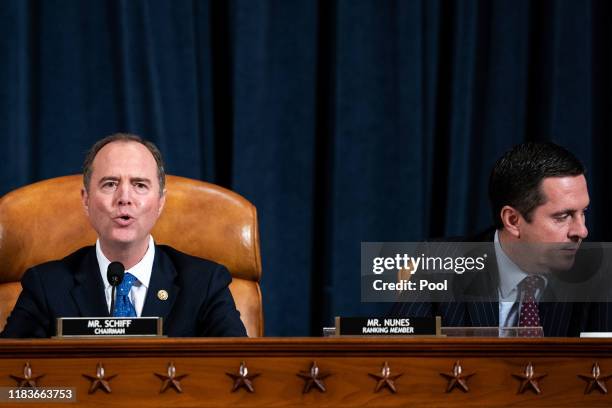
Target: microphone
(114, 275)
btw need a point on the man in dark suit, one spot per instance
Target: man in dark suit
(538, 195)
(123, 196)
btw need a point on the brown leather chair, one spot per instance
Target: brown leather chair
(45, 221)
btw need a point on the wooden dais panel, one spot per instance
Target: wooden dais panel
(316, 371)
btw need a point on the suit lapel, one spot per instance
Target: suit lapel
(555, 318)
(163, 278)
(484, 285)
(88, 291)
(484, 314)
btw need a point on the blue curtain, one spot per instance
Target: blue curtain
(342, 121)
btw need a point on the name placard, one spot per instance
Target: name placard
(386, 326)
(109, 327)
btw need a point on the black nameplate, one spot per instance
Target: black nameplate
(109, 326)
(385, 326)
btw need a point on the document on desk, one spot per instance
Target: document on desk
(596, 334)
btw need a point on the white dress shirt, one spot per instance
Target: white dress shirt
(142, 272)
(510, 276)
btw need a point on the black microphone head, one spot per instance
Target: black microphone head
(115, 273)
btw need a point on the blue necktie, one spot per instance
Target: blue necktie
(123, 306)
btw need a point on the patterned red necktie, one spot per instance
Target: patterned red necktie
(529, 315)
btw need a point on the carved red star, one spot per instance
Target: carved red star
(100, 381)
(313, 378)
(595, 380)
(28, 380)
(171, 380)
(243, 378)
(529, 379)
(385, 379)
(456, 378)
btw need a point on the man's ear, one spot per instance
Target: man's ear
(85, 200)
(162, 202)
(512, 219)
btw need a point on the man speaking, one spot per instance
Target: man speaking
(123, 196)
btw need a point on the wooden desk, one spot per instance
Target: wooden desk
(348, 361)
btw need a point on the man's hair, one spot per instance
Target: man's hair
(518, 174)
(123, 137)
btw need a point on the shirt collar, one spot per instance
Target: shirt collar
(142, 270)
(510, 275)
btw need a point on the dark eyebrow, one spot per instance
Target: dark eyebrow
(108, 178)
(564, 212)
(132, 180)
(140, 180)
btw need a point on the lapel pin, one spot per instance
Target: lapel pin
(162, 295)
